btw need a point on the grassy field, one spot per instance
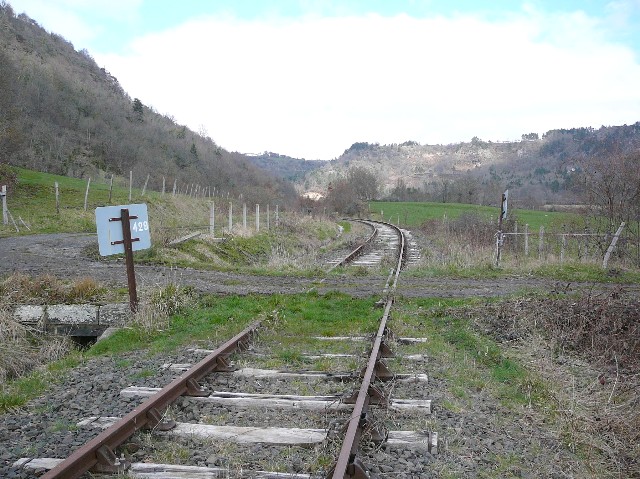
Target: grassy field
(33, 202)
(455, 248)
(415, 214)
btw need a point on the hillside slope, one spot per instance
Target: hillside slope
(285, 167)
(536, 170)
(61, 113)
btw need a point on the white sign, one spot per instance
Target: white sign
(109, 225)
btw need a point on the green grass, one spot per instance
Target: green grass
(287, 318)
(33, 200)
(16, 393)
(414, 214)
(346, 225)
(585, 273)
(217, 318)
(473, 360)
(568, 271)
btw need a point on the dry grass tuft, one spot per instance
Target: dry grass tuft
(85, 289)
(154, 314)
(46, 289)
(22, 349)
(589, 348)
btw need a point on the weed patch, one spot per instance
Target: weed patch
(588, 348)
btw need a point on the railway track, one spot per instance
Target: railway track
(347, 418)
(381, 245)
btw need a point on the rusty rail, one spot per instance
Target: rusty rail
(348, 466)
(98, 454)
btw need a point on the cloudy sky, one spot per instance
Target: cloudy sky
(308, 78)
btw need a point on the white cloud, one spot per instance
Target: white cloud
(310, 87)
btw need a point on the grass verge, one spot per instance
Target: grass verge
(174, 317)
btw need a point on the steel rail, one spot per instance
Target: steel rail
(99, 450)
(345, 467)
(360, 249)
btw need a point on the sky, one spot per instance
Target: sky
(308, 78)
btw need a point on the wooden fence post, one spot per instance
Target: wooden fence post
(605, 261)
(57, 198)
(230, 217)
(515, 236)
(541, 242)
(212, 219)
(563, 247)
(268, 225)
(130, 184)
(526, 239)
(163, 186)
(110, 188)
(257, 218)
(86, 194)
(244, 215)
(144, 188)
(5, 211)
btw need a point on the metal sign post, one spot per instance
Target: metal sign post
(115, 225)
(127, 241)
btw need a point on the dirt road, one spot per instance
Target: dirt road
(63, 255)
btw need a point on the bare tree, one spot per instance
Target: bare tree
(612, 188)
(364, 182)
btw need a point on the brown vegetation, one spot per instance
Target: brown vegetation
(46, 289)
(589, 348)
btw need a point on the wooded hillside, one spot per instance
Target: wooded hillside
(61, 113)
(538, 170)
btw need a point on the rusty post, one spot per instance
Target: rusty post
(128, 255)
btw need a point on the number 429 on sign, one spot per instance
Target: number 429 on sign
(140, 226)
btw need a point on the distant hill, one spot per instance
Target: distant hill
(285, 167)
(537, 170)
(61, 113)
